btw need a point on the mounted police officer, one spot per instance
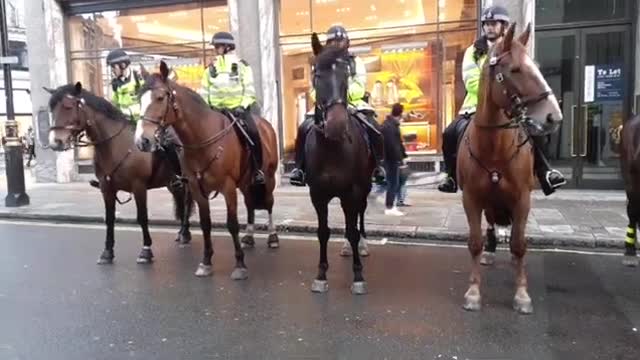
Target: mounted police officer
(227, 85)
(358, 107)
(495, 21)
(125, 84)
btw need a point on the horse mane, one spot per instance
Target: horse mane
(155, 79)
(95, 102)
(328, 57)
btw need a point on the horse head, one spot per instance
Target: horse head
(330, 80)
(514, 83)
(159, 108)
(67, 116)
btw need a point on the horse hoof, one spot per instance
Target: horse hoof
(184, 239)
(487, 258)
(145, 257)
(105, 261)
(359, 288)
(523, 305)
(248, 242)
(273, 241)
(240, 274)
(346, 251)
(631, 261)
(106, 258)
(472, 303)
(320, 286)
(203, 270)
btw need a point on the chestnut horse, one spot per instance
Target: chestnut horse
(630, 164)
(495, 161)
(214, 159)
(118, 164)
(338, 160)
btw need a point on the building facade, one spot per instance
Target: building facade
(412, 50)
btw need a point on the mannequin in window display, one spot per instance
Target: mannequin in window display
(337, 36)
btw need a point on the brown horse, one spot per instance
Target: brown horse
(495, 161)
(630, 163)
(338, 160)
(215, 158)
(118, 164)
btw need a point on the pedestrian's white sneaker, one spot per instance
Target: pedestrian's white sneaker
(393, 212)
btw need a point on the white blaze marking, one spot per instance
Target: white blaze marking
(52, 137)
(552, 98)
(139, 131)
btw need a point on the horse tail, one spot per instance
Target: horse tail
(179, 202)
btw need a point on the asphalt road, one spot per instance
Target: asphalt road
(56, 303)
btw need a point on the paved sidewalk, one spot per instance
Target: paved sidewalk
(570, 218)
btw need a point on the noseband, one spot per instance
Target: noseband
(517, 114)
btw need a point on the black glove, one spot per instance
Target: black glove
(481, 46)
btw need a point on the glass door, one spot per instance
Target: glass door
(588, 70)
(557, 56)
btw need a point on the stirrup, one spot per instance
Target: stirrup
(297, 178)
(258, 177)
(548, 178)
(448, 185)
(94, 183)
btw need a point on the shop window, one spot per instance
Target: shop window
(295, 17)
(178, 34)
(568, 11)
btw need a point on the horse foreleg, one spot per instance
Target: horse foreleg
(107, 255)
(630, 253)
(321, 204)
(205, 268)
(273, 242)
(231, 198)
(248, 241)
(350, 210)
(474, 218)
(518, 245)
(489, 253)
(146, 255)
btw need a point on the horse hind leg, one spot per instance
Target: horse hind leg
(630, 253)
(363, 247)
(248, 241)
(183, 206)
(488, 257)
(146, 255)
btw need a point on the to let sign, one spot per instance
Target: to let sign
(609, 84)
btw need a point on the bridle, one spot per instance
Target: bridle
(517, 114)
(324, 107)
(77, 130)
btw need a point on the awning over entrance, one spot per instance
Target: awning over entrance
(75, 7)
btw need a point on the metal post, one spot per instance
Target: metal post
(16, 195)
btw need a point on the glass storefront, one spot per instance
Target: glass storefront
(412, 51)
(179, 34)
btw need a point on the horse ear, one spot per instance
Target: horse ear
(508, 37)
(50, 91)
(143, 72)
(78, 88)
(316, 44)
(524, 37)
(164, 70)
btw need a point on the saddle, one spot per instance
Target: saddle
(240, 127)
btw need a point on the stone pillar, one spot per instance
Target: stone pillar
(257, 43)
(47, 68)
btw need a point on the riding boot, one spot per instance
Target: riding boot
(376, 146)
(95, 183)
(256, 149)
(297, 175)
(550, 179)
(449, 150)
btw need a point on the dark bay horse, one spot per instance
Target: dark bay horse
(119, 165)
(338, 160)
(495, 161)
(630, 164)
(215, 158)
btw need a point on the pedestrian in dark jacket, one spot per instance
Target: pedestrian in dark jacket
(394, 153)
